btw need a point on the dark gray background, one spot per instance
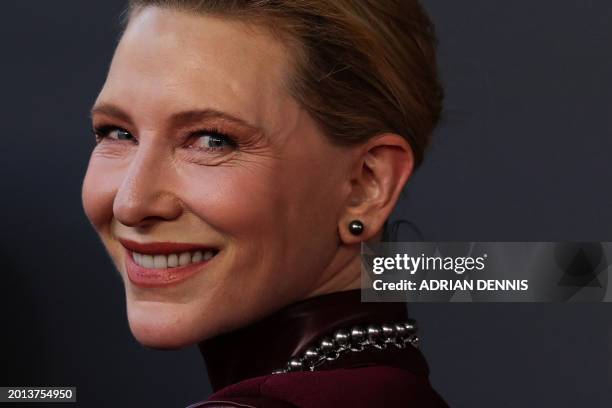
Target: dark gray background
(523, 155)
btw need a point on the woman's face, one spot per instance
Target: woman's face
(202, 152)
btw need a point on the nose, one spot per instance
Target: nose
(146, 193)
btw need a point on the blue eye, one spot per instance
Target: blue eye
(113, 132)
(212, 140)
(121, 134)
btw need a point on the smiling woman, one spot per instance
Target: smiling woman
(239, 146)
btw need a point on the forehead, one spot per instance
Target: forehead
(172, 60)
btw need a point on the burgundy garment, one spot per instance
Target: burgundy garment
(240, 363)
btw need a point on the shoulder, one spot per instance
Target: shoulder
(371, 386)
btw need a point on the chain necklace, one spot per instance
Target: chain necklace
(355, 339)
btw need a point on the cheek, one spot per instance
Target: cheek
(98, 192)
(272, 211)
(236, 201)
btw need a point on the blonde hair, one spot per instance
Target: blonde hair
(362, 68)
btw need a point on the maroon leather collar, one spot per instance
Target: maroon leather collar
(268, 344)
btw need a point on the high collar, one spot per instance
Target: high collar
(268, 344)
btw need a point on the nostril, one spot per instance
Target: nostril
(131, 214)
(139, 210)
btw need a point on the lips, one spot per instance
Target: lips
(161, 264)
(163, 248)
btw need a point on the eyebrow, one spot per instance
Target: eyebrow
(177, 119)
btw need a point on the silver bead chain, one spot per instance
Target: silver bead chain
(354, 340)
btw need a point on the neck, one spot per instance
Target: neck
(267, 345)
(344, 274)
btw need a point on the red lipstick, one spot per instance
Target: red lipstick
(154, 248)
(143, 274)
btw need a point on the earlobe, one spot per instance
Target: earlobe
(351, 232)
(356, 227)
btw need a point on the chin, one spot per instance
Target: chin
(167, 326)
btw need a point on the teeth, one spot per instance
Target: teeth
(184, 258)
(161, 261)
(172, 260)
(147, 261)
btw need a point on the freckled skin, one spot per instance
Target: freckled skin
(273, 205)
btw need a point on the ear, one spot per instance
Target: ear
(382, 167)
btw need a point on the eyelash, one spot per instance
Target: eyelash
(216, 133)
(102, 132)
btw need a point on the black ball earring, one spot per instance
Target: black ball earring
(356, 227)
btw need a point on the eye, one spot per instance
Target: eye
(212, 140)
(112, 132)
